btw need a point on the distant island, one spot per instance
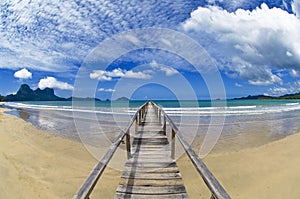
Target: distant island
(25, 93)
(122, 99)
(265, 97)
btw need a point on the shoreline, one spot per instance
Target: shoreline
(39, 164)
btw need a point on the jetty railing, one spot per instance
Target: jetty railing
(87, 187)
(218, 192)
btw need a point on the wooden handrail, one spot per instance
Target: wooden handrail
(87, 187)
(218, 192)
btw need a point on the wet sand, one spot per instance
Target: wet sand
(37, 164)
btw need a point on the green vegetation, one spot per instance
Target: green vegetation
(264, 97)
(25, 93)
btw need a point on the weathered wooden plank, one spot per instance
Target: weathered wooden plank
(152, 158)
(150, 164)
(155, 138)
(151, 176)
(151, 190)
(161, 143)
(147, 133)
(152, 139)
(142, 196)
(152, 170)
(150, 148)
(151, 154)
(140, 151)
(151, 182)
(149, 136)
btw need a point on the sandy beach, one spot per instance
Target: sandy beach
(37, 164)
(268, 171)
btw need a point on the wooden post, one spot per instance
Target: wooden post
(165, 125)
(128, 146)
(159, 116)
(136, 126)
(141, 114)
(139, 117)
(173, 144)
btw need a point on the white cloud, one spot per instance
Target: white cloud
(51, 82)
(277, 91)
(248, 43)
(102, 75)
(238, 85)
(296, 7)
(106, 90)
(295, 73)
(289, 88)
(56, 35)
(137, 75)
(167, 70)
(23, 74)
(259, 76)
(271, 79)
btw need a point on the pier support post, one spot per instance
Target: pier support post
(159, 116)
(136, 126)
(140, 115)
(173, 144)
(128, 146)
(165, 125)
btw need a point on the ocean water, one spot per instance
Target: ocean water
(242, 123)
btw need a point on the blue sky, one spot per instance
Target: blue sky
(255, 46)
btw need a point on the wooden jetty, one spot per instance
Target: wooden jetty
(151, 171)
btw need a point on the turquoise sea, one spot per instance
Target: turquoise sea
(244, 123)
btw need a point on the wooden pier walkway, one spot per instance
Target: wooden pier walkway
(151, 171)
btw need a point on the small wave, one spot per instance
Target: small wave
(292, 104)
(61, 108)
(190, 108)
(241, 107)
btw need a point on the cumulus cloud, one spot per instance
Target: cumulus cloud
(296, 7)
(295, 73)
(110, 90)
(103, 75)
(167, 70)
(248, 44)
(238, 85)
(234, 5)
(23, 74)
(51, 82)
(291, 87)
(137, 75)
